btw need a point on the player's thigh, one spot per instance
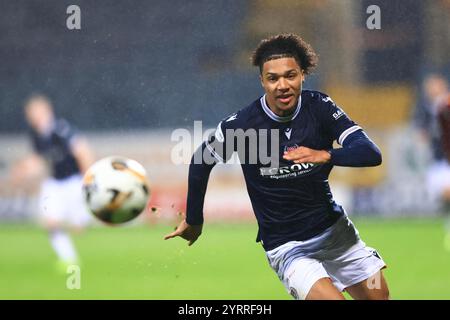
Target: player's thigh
(438, 180)
(354, 266)
(324, 289)
(76, 211)
(51, 204)
(372, 288)
(307, 279)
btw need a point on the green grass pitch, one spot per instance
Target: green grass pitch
(225, 263)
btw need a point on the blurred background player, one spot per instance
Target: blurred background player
(66, 156)
(436, 94)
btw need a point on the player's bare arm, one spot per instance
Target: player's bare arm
(31, 167)
(191, 227)
(82, 153)
(187, 232)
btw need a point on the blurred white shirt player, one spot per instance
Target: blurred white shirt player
(67, 156)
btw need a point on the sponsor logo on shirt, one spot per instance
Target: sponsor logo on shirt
(288, 132)
(338, 114)
(292, 171)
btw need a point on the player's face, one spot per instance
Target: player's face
(39, 115)
(282, 80)
(435, 86)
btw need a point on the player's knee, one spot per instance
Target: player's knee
(323, 289)
(380, 293)
(77, 229)
(51, 225)
(446, 195)
(384, 293)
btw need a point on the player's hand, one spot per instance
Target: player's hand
(307, 155)
(187, 232)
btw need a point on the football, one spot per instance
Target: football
(116, 189)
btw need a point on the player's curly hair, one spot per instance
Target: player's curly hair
(282, 46)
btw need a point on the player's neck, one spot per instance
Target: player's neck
(47, 129)
(280, 112)
(284, 113)
(281, 115)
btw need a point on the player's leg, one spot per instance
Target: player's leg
(349, 262)
(372, 288)
(358, 271)
(324, 289)
(63, 246)
(78, 216)
(303, 277)
(52, 209)
(446, 212)
(438, 185)
(306, 279)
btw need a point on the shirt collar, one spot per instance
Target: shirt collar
(276, 117)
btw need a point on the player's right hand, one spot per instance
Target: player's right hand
(187, 232)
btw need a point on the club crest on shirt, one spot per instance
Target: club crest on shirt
(290, 148)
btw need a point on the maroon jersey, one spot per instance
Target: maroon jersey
(444, 124)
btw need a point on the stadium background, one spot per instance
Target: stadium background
(136, 71)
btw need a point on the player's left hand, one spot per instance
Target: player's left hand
(187, 232)
(307, 155)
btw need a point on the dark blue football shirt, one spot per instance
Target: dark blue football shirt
(55, 147)
(291, 202)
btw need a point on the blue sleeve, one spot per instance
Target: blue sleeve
(335, 122)
(199, 172)
(218, 148)
(357, 151)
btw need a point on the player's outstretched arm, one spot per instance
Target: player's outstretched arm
(191, 227)
(83, 154)
(187, 232)
(30, 168)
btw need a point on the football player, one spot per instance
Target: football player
(67, 155)
(309, 240)
(433, 121)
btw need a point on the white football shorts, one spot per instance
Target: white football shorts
(62, 201)
(337, 253)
